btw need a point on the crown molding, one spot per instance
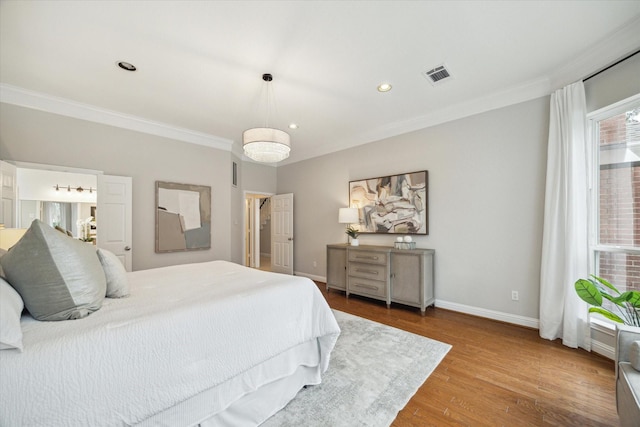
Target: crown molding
(39, 101)
(510, 96)
(617, 45)
(504, 98)
(54, 168)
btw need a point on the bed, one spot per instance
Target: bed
(205, 344)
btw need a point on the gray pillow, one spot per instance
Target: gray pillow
(117, 283)
(634, 355)
(58, 277)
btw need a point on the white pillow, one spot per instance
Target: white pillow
(116, 274)
(11, 306)
(634, 355)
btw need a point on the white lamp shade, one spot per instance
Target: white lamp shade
(266, 145)
(348, 216)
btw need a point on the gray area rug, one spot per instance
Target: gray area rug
(373, 372)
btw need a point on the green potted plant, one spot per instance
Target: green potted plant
(596, 289)
(353, 233)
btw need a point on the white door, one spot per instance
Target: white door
(114, 216)
(248, 232)
(255, 238)
(251, 233)
(282, 233)
(8, 195)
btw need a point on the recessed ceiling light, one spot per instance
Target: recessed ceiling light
(384, 87)
(126, 66)
(293, 126)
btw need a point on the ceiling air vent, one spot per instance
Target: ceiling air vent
(437, 75)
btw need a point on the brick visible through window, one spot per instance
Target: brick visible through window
(619, 199)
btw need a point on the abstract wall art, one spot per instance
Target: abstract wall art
(183, 217)
(395, 204)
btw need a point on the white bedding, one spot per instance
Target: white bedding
(184, 330)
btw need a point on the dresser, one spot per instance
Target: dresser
(337, 267)
(384, 273)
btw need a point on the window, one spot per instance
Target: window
(615, 236)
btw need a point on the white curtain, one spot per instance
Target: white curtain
(57, 214)
(565, 251)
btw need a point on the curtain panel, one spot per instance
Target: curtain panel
(565, 252)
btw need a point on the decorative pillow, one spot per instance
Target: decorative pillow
(11, 306)
(634, 355)
(116, 274)
(58, 277)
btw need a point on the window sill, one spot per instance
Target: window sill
(602, 325)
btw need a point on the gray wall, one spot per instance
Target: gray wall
(259, 178)
(38, 137)
(486, 197)
(486, 191)
(486, 202)
(613, 85)
(486, 185)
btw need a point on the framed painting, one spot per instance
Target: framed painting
(395, 204)
(183, 217)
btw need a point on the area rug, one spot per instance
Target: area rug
(373, 372)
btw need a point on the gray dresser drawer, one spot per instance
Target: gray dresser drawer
(368, 271)
(368, 257)
(404, 276)
(362, 286)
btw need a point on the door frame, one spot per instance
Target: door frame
(253, 196)
(68, 169)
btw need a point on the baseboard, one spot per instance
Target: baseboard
(606, 329)
(596, 346)
(603, 349)
(529, 322)
(481, 312)
(490, 314)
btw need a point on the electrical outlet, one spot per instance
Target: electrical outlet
(514, 295)
(315, 264)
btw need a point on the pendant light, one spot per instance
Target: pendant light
(265, 144)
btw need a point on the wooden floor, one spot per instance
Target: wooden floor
(496, 374)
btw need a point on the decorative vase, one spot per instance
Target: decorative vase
(354, 242)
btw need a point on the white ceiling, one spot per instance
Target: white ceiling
(200, 63)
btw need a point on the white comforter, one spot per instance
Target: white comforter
(183, 330)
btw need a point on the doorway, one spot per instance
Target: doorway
(68, 199)
(65, 200)
(258, 231)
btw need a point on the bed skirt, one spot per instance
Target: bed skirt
(251, 398)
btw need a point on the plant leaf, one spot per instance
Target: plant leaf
(588, 292)
(633, 298)
(615, 300)
(606, 313)
(606, 283)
